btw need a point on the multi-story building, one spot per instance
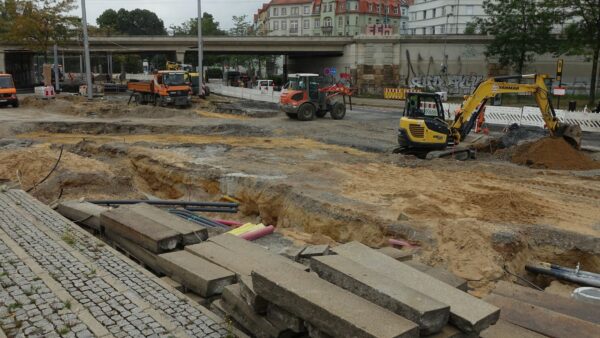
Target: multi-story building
(331, 17)
(430, 17)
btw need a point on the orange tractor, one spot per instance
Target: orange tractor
(303, 98)
(8, 92)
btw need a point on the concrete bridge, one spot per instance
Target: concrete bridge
(374, 62)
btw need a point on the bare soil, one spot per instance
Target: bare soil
(553, 153)
(475, 218)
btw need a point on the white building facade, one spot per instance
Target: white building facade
(434, 17)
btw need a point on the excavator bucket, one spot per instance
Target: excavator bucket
(571, 133)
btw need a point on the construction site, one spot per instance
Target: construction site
(227, 218)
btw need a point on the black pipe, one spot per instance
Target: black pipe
(583, 278)
(164, 202)
(224, 210)
(197, 218)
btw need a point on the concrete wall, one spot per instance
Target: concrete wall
(2, 62)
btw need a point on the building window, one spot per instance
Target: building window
(275, 11)
(275, 25)
(283, 25)
(403, 25)
(284, 11)
(432, 30)
(442, 29)
(378, 8)
(403, 11)
(341, 21)
(370, 21)
(356, 6)
(306, 9)
(306, 24)
(327, 22)
(424, 30)
(370, 7)
(395, 10)
(470, 9)
(434, 12)
(295, 11)
(294, 26)
(317, 9)
(317, 23)
(424, 15)
(444, 11)
(330, 7)
(356, 21)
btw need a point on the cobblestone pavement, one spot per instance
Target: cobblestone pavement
(119, 298)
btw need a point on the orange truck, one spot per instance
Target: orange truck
(167, 88)
(8, 92)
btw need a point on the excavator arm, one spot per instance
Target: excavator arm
(475, 103)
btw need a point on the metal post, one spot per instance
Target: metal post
(200, 47)
(86, 48)
(56, 75)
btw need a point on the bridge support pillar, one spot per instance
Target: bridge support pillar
(180, 54)
(2, 61)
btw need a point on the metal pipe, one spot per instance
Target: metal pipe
(583, 278)
(197, 218)
(225, 210)
(86, 48)
(166, 202)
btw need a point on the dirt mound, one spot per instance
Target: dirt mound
(507, 207)
(553, 153)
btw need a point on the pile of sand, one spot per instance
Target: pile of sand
(553, 153)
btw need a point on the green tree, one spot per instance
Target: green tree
(521, 29)
(135, 22)
(582, 36)
(210, 27)
(241, 26)
(40, 24)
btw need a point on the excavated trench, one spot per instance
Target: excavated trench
(99, 165)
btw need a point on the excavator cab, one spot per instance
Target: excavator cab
(423, 126)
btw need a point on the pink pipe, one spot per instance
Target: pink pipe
(234, 224)
(256, 234)
(399, 242)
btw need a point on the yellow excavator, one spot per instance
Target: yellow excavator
(424, 131)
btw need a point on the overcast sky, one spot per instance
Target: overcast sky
(174, 12)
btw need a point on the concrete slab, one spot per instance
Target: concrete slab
(191, 233)
(82, 213)
(172, 283)
(399, 255)
(195, 273)
(331, 309)
(256, 302)
(503, 329)
(283, 319)
(542, 320)
(149, 234)
(234, 305)
(450, 331)
(440, 274)
(567, 306)
(430, 314)
(258, 254)
(467, 313)
(315, 250)
(144, 257)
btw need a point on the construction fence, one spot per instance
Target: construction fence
(532, 116)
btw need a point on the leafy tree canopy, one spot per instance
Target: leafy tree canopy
(210, 27)
(135, 22)
(521, 29)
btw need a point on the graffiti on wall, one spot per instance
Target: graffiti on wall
(453, 84)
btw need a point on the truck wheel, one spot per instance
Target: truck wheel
(306, 112)
(15, 104)
(292, 116)
(321, 113)
(338, 111)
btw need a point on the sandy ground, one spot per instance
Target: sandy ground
(317, 181)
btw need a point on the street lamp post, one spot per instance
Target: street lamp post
(200, 49)
(445, 64)
(86, 48)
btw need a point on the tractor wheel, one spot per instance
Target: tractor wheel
(338, 111)
(15, 104)
(306, 112)
(292, 116)
(321, 113)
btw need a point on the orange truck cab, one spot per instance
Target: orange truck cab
(8, 92)
(166, 88)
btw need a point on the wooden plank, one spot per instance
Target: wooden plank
(567, 306)
(541, 320)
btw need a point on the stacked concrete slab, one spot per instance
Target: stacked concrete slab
(240, 301)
